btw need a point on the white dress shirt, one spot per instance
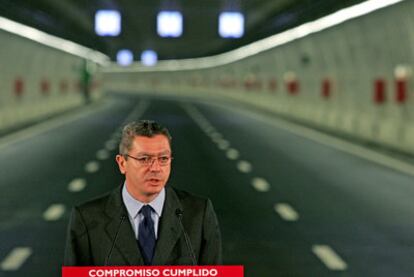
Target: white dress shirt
(133, 207)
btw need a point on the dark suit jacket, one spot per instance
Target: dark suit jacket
(93, 226)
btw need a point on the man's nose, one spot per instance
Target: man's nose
(155, 165)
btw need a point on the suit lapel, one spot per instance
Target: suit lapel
(169, 229)
(126, 243)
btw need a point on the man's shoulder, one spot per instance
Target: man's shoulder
(185, 195)
(190, 200)
(98, 203)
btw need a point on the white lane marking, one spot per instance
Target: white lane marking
(218, 139)
(209, 130)
(200, 120)
(15, 259)
(232, 154)
(244, 166)
(223, 144)
(92, 167)
(54, 212)
(216, 136)
(136, 113)
(77, 185)
(204, 124)
(260, 184)
(102, 154)
(286, 212)
(328, 256)
(111, 144)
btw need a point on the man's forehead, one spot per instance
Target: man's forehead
(155, 143)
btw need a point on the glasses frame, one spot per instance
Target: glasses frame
(153, 158)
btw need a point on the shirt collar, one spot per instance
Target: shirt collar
(134, 206)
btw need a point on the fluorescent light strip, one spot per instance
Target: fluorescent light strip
(52, 41)
(264, 44)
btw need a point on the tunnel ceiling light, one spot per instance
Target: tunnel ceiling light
(52, 41)
(231, 25)
(124, 57)
(170, 24)
(268, 43)
(107, 23)
(149, 58)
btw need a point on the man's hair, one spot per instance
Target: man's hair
(145, 128)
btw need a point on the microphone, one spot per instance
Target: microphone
(179, 214)
(123, 217)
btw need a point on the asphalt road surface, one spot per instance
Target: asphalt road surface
(290, 201)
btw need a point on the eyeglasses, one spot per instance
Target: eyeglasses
(147, 160)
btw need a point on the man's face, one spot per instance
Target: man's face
(145, 182)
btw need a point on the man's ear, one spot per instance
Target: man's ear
(120, 160)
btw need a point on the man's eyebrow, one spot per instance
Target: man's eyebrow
(154, 154)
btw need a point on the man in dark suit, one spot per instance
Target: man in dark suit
(144, 222)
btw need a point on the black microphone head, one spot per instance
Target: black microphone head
(179, 212)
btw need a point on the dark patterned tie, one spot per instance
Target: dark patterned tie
(146, 236)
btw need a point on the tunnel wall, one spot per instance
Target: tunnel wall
(354, 78)
(37, 81)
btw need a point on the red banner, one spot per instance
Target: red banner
(153, 271)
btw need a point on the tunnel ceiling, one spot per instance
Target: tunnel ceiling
(74, 19)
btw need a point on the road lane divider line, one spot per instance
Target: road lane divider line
(260, 184)
(329, 257)
(92, 166)
(209, 130)
(232, 154)
(244, 166)
(205, 124)
(286, 212)
(76, 185)
(16, 258)
(201, 121)
(216, 136)
(223, 144)
(137, 112)
(102, 154)
(54, 212)
(217, 140)
(111, 145)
